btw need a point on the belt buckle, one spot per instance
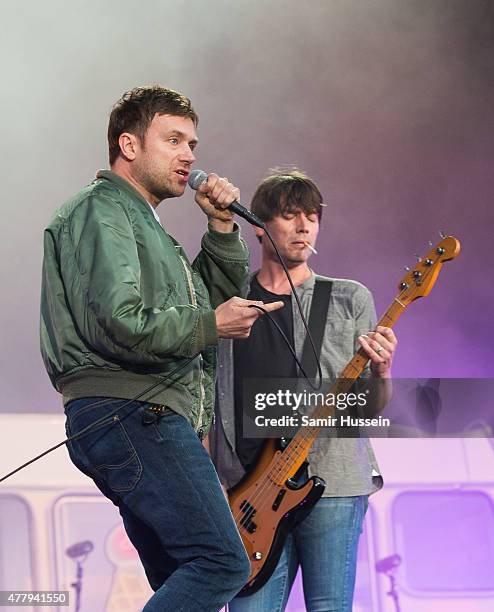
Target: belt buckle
(152, 414)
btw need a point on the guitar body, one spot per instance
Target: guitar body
(283, 506)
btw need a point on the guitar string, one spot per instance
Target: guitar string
(294, 451)
(392, 320)
(285, 463)
(277, 471)
(277, 474)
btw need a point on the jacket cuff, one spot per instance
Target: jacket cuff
(228, 246)
(207, 333)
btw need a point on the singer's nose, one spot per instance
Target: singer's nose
(188, 155)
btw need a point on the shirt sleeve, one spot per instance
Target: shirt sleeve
(365, 319)
(223, 264)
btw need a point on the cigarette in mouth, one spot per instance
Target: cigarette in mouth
(309, 246)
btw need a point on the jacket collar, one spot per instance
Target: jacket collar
(122, 183)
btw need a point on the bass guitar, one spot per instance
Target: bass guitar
(267, 504)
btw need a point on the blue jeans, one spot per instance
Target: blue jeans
(157, 472)
(325, 546)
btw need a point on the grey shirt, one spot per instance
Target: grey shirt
(348, 465)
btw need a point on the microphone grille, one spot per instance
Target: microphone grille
(196, 178)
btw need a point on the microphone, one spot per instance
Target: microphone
(198, 177)
(80, 549)
(388, 564)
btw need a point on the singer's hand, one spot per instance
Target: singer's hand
(213, 196)
(234, 318)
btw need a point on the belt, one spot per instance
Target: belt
(152, 413)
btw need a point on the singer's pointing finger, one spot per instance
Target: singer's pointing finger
(270, 306)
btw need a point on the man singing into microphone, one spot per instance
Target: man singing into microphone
(325, 543)
(128, 336)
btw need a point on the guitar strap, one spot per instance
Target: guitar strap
(317, 324)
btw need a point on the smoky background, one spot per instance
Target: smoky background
(386, 104)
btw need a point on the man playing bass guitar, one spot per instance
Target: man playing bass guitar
(325, 543)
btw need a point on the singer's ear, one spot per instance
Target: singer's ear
(259, 233)
(128, 145)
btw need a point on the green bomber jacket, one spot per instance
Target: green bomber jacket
(123, 312)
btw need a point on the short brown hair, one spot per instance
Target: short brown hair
(284, 192)
(136, 108)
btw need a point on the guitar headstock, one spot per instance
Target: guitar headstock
(419, 281)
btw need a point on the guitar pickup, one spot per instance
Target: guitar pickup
(246, 507)
(249, 512)
(279, 499)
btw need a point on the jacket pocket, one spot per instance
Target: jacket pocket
(106, 446)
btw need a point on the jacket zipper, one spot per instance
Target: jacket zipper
(192, 291)
(193, 300)
(201, 398)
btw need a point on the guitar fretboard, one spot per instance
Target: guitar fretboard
(297, 450)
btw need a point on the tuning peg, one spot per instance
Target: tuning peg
(442, 233)
(407, 268)
(418, 258)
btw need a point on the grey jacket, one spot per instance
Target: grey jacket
(348, 465)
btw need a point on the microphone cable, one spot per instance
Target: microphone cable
(188, 361)
(196, 179)
(100, 420)
(299, 306)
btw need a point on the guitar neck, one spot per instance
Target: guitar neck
(296, 452)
